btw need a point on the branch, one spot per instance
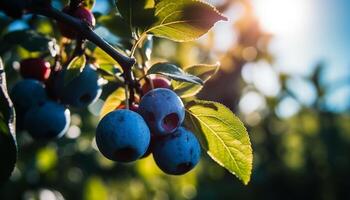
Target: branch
(86, 32)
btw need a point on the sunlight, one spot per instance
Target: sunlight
(282, 16)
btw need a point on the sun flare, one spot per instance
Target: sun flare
(282, 16)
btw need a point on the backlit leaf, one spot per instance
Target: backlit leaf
(113, 101)
(222, 135)
(184, 20)
(74, 68)
(174, 72)
(204, 72)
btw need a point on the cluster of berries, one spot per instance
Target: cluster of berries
(40, 99)
(153, 126)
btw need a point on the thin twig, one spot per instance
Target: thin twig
(86, 32)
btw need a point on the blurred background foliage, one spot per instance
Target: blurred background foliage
(301, 142)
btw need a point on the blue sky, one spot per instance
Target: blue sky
(315, 30)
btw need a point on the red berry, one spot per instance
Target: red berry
(35, 68)
(158, 82)
(81, 13)
(132, 107)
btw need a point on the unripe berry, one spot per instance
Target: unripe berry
(81, 13)
(47, 121)
(177, 153)
(163, 111)
(158, 82)
(35, 68)
(123, 136)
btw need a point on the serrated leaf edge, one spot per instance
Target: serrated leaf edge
(217, 161)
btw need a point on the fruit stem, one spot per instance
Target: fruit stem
(128, 75)
(127, 96)
(137, 43)
(79, 49)
(87, 33)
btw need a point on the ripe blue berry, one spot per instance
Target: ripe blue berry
(47, 121)
(82, 90)
(28, 93)
(123, 136)
(177, 153)
(163, 111)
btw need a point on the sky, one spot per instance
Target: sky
(307, 32)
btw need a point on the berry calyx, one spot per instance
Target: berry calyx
(163, 111)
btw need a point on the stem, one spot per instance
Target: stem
(144, 67)
(138, 42)
(78, 50)
(127, 106)
(128, 75)
(86, 32)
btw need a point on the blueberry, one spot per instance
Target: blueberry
(177, 153)
(163, 111)
(123, 136)
(47, 121)
(28, 93)
(81, 91)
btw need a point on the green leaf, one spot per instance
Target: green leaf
(137, 13)
(30, 40)
(204, 72)
(102, 58)
(184, 20)
(75, 67)
(222, 135)
(8, 144)
(109, 70)
(173, 72)
(116, 25)
(89, 4)
(113, 101)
